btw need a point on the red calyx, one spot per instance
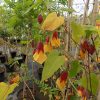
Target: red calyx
(47, 39)
(55, 35)
(86, 46)
(63, 76)
(83, 91)
(40, 19)
(91, 49)
(40, 47)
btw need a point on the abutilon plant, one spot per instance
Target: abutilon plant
(62, 80)
(86, 46)
(82, 92)
(47, 45)
(39, 55)
(55, 41)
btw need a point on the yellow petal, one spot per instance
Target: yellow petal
(60, 85)
(6, 89)
(52, 22)
(47, 47)
(82, 54)
(36, 56)
(40, 57)
(16, 79)
(55, 42)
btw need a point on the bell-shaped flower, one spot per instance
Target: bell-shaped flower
(82, 92)
(61, 81)
(55, 42)
(15, 79)
(39, 55)
(47, 45)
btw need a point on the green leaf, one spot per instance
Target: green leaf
(52, 64)
(75, 67)
(6, 89)
(75, 98)
(97, 43)
(77, 31)
(94, 82)
(90, 30)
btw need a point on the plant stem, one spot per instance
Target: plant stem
(89, 74)
(73, 85)
(29, 90)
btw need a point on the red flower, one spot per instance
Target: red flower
(55, 35)
(47, 45)
(47, 39)
(82, 92)
(61, 81)
(63, 76)
(55, 42)
(40, 47)
(39, 54)
(86, 46)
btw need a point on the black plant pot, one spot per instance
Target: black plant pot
(13, 41)
(10, 68)
(2, 77)
(20, 61)
(13, 54)
(3, 59)
(18, 40)
(2, 73)
(0, 52)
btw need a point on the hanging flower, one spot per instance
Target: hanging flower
(52, 22)
(82, 92)
(47, 45)
(39, 55)
(86, 46)
(55, 42)
(15, 79)
(61, 81)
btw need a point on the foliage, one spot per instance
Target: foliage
(75, 68)
(19, 18)
(77, 31)
(6, 89)
(52, 65)
(94, 82)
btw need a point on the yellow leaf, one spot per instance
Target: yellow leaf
(52, 22)
(6, 89)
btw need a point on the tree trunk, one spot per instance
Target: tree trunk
(94, 12)
(86, 11)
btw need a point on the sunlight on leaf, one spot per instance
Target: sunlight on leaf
(94, 81)
(77, 31)
(52, 64)
(6, 89)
